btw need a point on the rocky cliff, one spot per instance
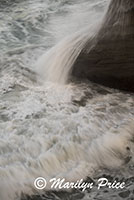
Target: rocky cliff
(111, 61)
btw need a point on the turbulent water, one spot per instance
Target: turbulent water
(75, 130)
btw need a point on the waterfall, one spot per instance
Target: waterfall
(55, 65)
(58, 63)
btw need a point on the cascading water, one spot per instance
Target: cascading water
(71, 131)
(58, 62)
(55, 65)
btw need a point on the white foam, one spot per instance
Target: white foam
(48, 136)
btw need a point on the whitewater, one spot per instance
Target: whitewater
(51, 126)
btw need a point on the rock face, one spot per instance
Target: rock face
(110, 62)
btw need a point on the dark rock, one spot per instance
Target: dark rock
(124, 194)
(110, 61)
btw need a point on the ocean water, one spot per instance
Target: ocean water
(51, 128)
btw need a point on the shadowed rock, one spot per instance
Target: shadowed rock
(110, 62)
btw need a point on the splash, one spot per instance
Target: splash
(56, 64)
